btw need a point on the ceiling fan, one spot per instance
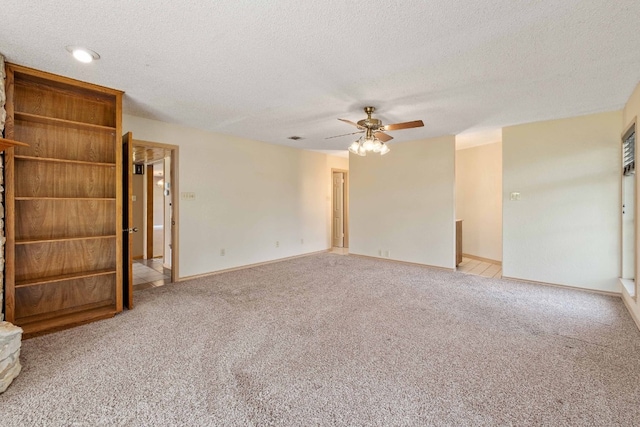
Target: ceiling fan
(374, 138)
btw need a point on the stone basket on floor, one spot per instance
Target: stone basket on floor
(10, 341)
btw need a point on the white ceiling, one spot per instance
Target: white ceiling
(267, 70)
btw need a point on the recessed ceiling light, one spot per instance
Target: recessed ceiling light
(83, 54)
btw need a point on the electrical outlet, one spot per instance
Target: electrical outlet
(222, 252)
(277, 244)
(514, 196)
(302, 241)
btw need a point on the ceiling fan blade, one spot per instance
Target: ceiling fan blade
(344, 134)
(349, 121)
(383, 136)
(405, 125)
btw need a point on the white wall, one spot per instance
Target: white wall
(249, 195)
(479, 199)
(632, 111)
(403, 202)
(566, 227)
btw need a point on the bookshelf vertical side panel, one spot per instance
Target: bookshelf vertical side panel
(117, 146)
(9, 205)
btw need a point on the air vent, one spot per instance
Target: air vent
(295, 138)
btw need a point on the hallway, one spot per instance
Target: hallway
(149, 273)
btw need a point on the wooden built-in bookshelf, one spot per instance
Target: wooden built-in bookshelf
(63, 201)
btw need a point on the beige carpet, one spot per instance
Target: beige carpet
(339, 340)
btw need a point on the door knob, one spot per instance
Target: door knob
(131, 230)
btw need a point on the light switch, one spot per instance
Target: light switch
(514, 196)
(133, 198)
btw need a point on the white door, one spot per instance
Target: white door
(338, 209)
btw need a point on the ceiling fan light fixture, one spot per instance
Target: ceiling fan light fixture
(354, 147)
(375, 138)
(368, 144)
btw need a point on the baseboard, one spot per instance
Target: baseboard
(479, 258)
(244, 267)
(629, 286)
(594, 291)
(403, 262)
(138, 257)
(631, 312)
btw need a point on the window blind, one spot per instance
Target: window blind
(629, 153)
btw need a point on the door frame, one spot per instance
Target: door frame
(125, 217)
(345, 206)
(149, 212)
(175, 208)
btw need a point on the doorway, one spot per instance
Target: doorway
(157, 211)
(478, 207)
(150, 215)
(340, 208)
(151, 212)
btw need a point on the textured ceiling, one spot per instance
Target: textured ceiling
(267, 70)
